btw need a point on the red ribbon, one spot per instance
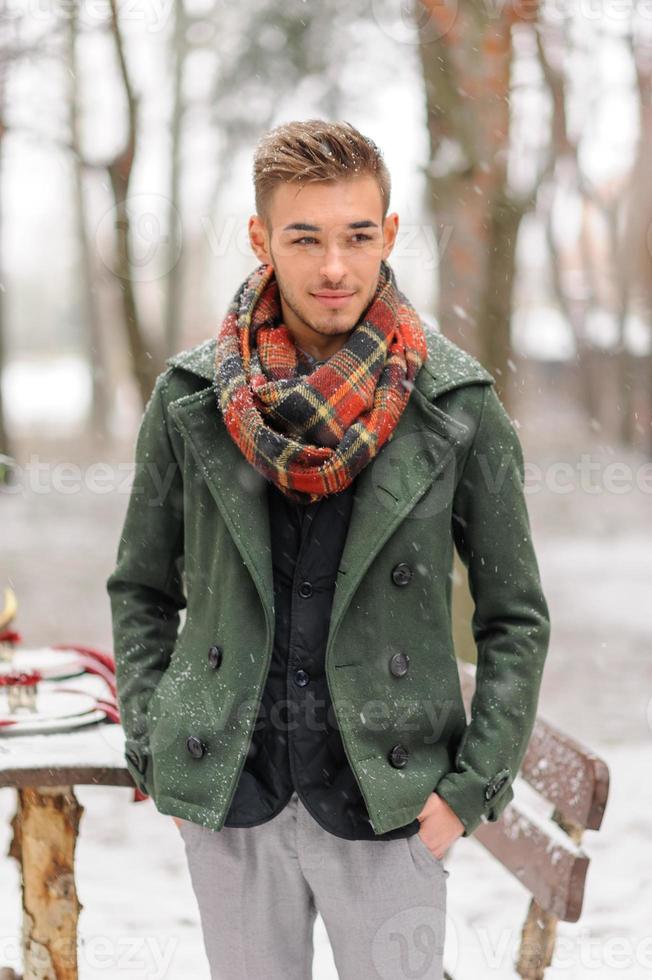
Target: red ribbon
(10, 636)
(23, 678)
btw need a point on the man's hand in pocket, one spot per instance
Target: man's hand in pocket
(441, 823)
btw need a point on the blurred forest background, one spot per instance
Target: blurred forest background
(519, 139)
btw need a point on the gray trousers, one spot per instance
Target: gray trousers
(259, 890)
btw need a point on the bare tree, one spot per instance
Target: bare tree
(611, 233)
(173, 306)
(577, 304)
(93, 335)
(12, 49)
(638, 225)
(4, 435)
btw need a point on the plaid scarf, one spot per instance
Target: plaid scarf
(311, 433)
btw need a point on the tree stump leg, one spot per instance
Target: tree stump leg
(45, 829)
(537, 943)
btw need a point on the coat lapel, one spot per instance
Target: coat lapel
(389, 488)
(421, 447)
(238, 489)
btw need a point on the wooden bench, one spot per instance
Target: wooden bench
(541, 847)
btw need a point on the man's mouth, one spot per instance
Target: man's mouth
(333, 298)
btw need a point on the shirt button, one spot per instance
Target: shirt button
(301, 678)
(215, 656)
(305, 590)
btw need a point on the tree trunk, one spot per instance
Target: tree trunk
(145, 364)
(466, 63)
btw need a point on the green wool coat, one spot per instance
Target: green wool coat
(194, 573)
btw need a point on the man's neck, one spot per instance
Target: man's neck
(322, 352)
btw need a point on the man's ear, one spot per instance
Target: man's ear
(259, 238)
(390, 231)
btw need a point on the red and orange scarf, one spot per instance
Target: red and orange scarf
(311, 434)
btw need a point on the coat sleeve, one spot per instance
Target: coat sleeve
(145, 587)
(510, 623)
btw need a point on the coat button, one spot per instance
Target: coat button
(401, 573)
(195, 746)
(301, 678)
(398, 756)
(305, 590)
(215, 654)
(399, 664)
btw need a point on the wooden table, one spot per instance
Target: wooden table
(45, 768)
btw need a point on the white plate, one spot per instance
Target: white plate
(51, 663)
(50, 704)
(33, 727)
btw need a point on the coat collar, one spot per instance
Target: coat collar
(422, 445)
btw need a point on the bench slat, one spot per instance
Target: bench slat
(66, 776)
(544, 860)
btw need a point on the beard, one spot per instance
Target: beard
(327, 322)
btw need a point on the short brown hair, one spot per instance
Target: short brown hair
(311, 150)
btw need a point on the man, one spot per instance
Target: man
(302, 481)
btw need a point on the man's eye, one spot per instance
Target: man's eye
(306, 239)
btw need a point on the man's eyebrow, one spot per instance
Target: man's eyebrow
(303, 226)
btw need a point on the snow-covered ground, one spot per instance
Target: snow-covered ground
(139, 918)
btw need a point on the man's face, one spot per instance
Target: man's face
(326, 244)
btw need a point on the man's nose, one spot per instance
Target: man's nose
(332, 267)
